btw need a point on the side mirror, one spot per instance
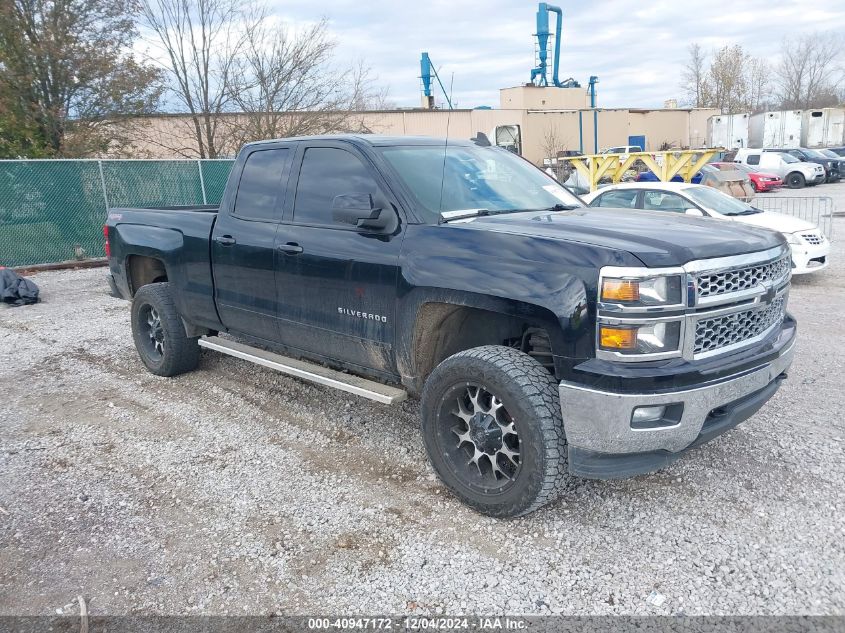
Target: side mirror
(695, 212)
(362, 212)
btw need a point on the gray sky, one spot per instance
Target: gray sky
(636, 47)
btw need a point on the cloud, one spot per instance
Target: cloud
(637, 49)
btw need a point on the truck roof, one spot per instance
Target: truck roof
(373, 140)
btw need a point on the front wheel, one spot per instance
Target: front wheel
(160, 338)
(492, 427)
(795, 180)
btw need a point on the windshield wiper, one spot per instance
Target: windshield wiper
(749, 211)
(462, 214)
(561, 207)
(556, 207)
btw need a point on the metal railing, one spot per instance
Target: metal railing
(816, 209)
(53, 210)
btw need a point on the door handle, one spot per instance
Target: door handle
(225, 240)
(291, 248)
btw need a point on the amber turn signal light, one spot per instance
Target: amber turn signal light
(617, 338)
(620, 290)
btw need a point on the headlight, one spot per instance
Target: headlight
(641, 339)
(793, 238)
(642, 292)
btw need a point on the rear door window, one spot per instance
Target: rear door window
(753, 159)
(663, 201)
(623, 198)
(261, 185)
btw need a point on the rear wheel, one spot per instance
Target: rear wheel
(159, 335)
(493, 431)
(795, 180)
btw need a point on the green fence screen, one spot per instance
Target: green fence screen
(54, 210)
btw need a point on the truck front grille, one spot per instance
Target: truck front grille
(718, 332)
(719, 283)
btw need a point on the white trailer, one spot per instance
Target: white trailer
(781, 129)
(728, 130)
(823, 128)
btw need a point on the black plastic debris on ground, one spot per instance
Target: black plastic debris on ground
(16, 290)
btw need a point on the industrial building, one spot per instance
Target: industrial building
(538, 120)
(542, 120)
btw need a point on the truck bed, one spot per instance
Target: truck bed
(179, 237)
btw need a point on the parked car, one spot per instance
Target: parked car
(760, 181)
(832, 166)
(622, 150)
(832, 155)
(650, 176)
(810, 247)
(737, 184)
(794, 173)
(466, 276)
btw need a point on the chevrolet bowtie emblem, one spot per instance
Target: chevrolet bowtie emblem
(769, 295)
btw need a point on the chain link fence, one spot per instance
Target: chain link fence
(816, 209)
(54, 210)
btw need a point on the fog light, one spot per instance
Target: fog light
(643, 415)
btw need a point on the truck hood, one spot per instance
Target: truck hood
(775, 221)
(657, 238)
(806, 167)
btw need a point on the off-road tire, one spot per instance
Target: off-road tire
(179, 353)
(530, 395)
(796, 180)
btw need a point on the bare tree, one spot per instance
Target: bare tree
(552, 143)
(240, 75)
(695, 76)
(201, 41)
(286, 83)
(759, 86)
(810, 72)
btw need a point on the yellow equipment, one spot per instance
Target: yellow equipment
(664, 165)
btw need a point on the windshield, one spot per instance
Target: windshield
(814, 154)
(719, 202)
(474, 178)
(789, 158)
(829, 153)
(739, 167)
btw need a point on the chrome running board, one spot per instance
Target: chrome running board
(307, 371)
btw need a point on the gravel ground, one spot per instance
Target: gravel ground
(238, 490)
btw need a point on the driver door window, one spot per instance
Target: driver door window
(662, 201)
(328, 172)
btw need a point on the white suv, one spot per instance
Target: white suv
(794, 173)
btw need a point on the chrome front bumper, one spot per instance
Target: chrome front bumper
(600, 421)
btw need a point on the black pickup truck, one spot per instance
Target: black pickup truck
(545, 339)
